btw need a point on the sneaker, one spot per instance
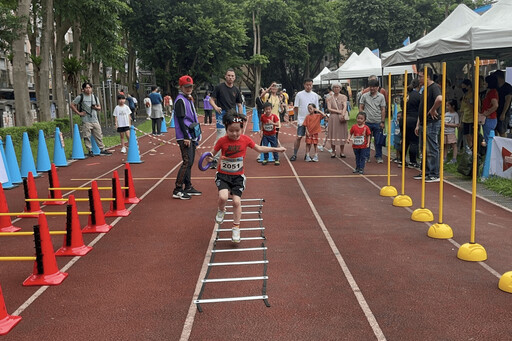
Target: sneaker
(179, 194)
(329, 150)
(417, 177)
(105, 152)
(308, 158)
(356, 171)
(123, 150)
(368, 160)
(413, 165)
(315, 158)
(321, 148)
(277, 163)
(192, 191)
(235, 235)
(293, 158)
(264, 162)
(452, 162)
(219, 217)
(395, 160)
(379, 160)
(361, 171)
(432, 179)
(90, 154)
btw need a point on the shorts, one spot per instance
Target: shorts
(301, 131)
(467, 128)
(450, 139)
(312, 139)
(234, 183)
(122, 129)
(502, 126)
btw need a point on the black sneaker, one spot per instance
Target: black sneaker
(356, 171)
(417, 177)
(293, 158)
(432, 179)
(105, 152)
(179, 194)
(192, 191)
(413, 165)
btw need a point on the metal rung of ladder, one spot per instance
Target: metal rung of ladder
(241, 250)
(246, 200)
(249, 219)
(242, 229)
(247, 206)
(231, 299)
(242, 239)
(251, 262)
(254, 212)
(236, 279)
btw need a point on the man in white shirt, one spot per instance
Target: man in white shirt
(302, 100)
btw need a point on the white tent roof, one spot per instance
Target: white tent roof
(318, 79)
(368, 64)
(335, 74)
(457, 22)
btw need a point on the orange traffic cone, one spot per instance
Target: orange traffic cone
(96, 222)
(29, 185)
(46, 271)
(7, 322)
(5, 222)
(129, 194)
(117, 208)
(53, 179)
(73, 244)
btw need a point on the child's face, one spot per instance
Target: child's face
(234, 131)
(360, 120)
(311, 109)
(267, 111)
(449, 106)
(121, 101)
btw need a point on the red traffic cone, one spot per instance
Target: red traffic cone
(73, 244)
(5, 222)
(97, 222)
(129, 194)
(29, 185)
(7, 322)
(46, 271)
(53, 179)
(117, 208)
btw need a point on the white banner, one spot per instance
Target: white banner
(501, 157)
(3, 172)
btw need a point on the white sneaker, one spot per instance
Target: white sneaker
(329, 150)
(315, 158)
(219, 217)
(308, 158)
(123, 150)
(321, 148)
(235, 235)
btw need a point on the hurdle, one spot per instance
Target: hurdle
(53, 179)
(7, 322)
(96, 222)
(5, 222)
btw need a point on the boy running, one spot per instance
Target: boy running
(360, 137)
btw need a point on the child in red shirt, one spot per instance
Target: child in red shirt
(360, 137)
(230, 178)
(313, 128)
(268, 124)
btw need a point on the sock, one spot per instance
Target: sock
(236, 226)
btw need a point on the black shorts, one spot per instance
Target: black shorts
(234, 183)
(502, 126)
(122, 129)
(467, 129)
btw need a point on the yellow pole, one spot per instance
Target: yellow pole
(14, 234)
(472, 251)
(389, 191)
(8, 259)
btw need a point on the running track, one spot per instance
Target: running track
(344, 264)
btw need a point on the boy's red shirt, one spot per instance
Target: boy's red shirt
(233, 153)
(312, 122)
(266, 123)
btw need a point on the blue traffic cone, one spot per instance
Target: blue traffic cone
(133, 148)
(59, 155)
(163, 128)
(94, 146)
(255, 124)
(27, 159)
(172, 120)
(5, 175)
(12, 161)
(78, 151)
(254, 114)
(270, 156)
(43, 158)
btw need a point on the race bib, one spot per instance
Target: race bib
(232, 165)
(397, 131)
(268, 127)
(358, 140)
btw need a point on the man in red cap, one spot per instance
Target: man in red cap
(188, 134)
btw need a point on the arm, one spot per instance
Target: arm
(214, 105)
(331, 108)
(75, 109)
(240, 109)
(180, 116)
(433, 111)
(508, 99)
(382, 116)
(264, 149)
(493, 108)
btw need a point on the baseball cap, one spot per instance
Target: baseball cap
(185, 80)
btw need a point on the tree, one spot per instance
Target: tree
(44, 69)
(9, 23)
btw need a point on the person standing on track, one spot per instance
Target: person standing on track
(157, 113)
(360, 136)
(230, 178)
(302, 100)
(268, 124)
(373, 104)
(122, 114)
(185, 117)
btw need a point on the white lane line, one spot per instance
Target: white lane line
(69, 264)
(346, 271)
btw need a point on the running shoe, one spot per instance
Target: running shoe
(123, 150)
(264, 162)
(308, 158)
(293, 158)
(432, 179)
(413, 165)
(235, 235)
(192, 191)
(277, 163)
(179, 194)
(321, 148)
(315, 158)
(105, 152)
(361, 171)
(379, 160)
(417, 177)
(356, 171)
(219, 217)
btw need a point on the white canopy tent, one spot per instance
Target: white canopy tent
(335, 74)
(318, 79)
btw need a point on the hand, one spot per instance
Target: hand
(417, 131)
(218, 109)
(186, 143)
(433, 114)
(280, 149)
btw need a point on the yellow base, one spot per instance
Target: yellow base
(505, 283)
(472, 252)
(388, 191)
(402, 201)
(422, 215)
(440, 231)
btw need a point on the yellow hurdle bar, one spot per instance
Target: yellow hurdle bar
(7, 259)
(29, 214)
(66, 199)
(80, 188)
(14, 234)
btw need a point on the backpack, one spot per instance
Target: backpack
(82, 100)
(131, 103)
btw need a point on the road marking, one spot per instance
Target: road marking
(269, 177)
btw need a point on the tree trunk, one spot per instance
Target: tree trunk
(132, 75)
(33, 33)
(58, 87)
(21, 96)
(77, 46)
(256, 50)
(46, 41)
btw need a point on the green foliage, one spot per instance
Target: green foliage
(9, 23)
(499, 185)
